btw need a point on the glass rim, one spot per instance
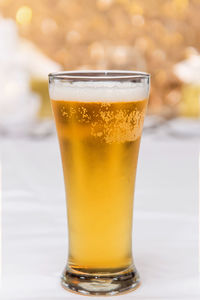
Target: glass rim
(99, 75)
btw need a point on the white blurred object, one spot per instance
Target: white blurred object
(188, 70)
(37, 64)
(19, 60)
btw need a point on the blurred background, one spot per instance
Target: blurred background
(161, 37)
(156, 36)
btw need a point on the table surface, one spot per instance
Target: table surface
(165, 239)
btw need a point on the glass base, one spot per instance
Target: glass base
(100, 284)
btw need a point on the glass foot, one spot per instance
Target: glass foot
(99, 283)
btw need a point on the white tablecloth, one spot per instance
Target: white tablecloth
(165, 235)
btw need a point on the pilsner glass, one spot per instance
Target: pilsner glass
(99, 118)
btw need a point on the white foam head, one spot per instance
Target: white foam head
(99, 91)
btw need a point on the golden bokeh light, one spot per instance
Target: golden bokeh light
(181, 4)
(120, 55)
(136, 9)
(48, 25)
(73, 37)
(150, 36)
(96, 51)
(137, 20)
(104, 4)
(24, 15)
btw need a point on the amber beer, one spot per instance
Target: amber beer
(99, 126)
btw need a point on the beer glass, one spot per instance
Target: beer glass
(99, 118)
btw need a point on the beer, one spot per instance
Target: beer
(99, 132)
